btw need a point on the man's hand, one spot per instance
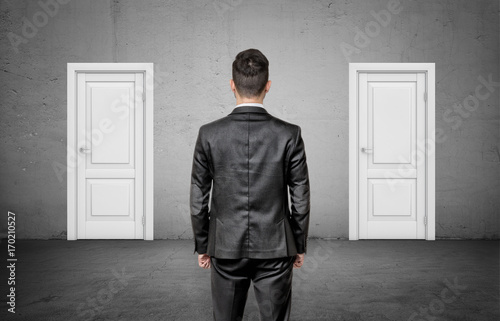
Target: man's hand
(204, 261)
(299, 260)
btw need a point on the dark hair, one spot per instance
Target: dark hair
(250, 72)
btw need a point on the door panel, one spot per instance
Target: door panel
(110, 197)
(402, 199)
(105, 121)
(392, 114)
(391, 179)
(110, 136)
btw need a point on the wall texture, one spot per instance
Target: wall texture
(192, 44)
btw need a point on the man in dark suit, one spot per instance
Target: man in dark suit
(250, 160)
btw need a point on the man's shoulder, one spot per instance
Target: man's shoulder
(285, 123)
(215, 124)
(285, 128)
(274, 121)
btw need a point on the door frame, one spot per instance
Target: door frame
(354, 148)
(72, 153)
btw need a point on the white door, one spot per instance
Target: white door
(110, 136)
(392, 155)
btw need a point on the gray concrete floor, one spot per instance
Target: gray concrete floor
(340, 280)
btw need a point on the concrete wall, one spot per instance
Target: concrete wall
(192, 44)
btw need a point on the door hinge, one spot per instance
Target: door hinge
(425, 96)
(143, 96)
(425, 220)
(143, 220)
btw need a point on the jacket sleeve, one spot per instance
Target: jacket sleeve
(298, 183)
(201, 181)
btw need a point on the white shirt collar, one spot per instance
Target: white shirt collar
(250, 104)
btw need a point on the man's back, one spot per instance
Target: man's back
(252, 157)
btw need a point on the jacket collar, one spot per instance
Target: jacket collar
(248, 109)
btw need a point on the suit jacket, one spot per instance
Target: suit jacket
(249, 159)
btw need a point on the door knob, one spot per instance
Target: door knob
(84, 150)
(367, 150)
